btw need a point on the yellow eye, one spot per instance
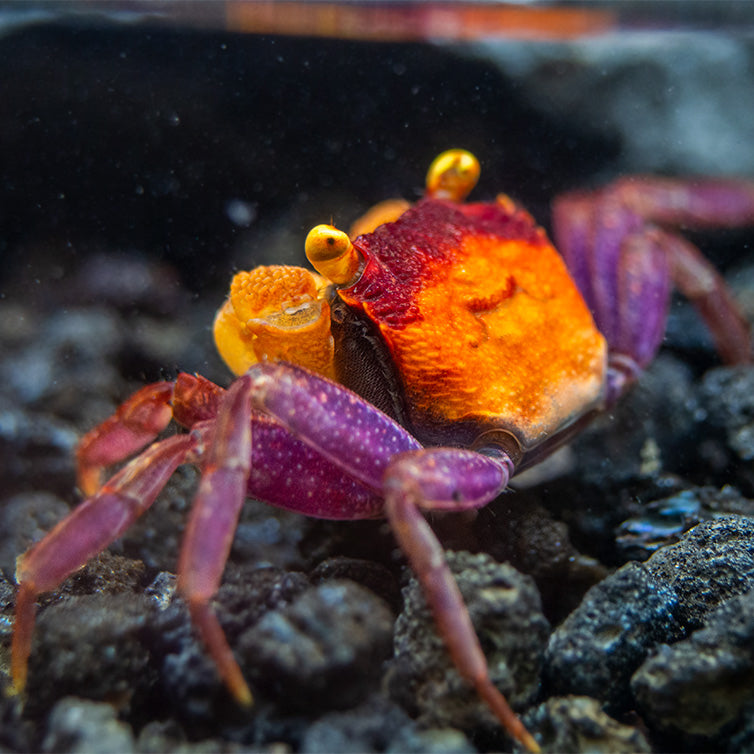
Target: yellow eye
(452, 175)
(333, 255)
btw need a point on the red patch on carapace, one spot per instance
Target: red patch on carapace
(406, 255)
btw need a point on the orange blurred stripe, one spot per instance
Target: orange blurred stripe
(400, 22)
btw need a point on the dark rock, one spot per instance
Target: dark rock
(660, 523)
(106, 573)
(188, 677)
(68, 368)
(35, 446)
(7, 606)
(651, 430)
(17, 733)
(505, 609)
(127, 282)
(79, 726)
(24, 519)
(161, 737)
(601, 644)
(155, 537)
(374, 576)
(265, 536)
(249, 593)
(575, 724)
(699, 686)
(365, 540)
(269, 536)
(379, 726)
(91, 646)
(190, 687)
(593, 512)
(713, 562)
(162, 589)
(436, 740)
(321, 650)
(727, 395)
(742, 737)
(598, 647)
(518, 529)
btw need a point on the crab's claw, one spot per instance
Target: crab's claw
(276, 313)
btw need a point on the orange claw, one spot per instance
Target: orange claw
(275, 313)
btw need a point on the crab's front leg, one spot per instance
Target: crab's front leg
(367, 445)
(212, 524)
(448, 479)
(87, 531)
(109, 511)
(139, 420)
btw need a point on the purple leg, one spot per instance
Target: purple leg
(642, 295)
(695, 203)
(349, 432)
(700, 282)
(369, 446)
(448, 479)
(290, 474)
(589, 231)
(86, 531)
(623, 263)
(248, 452)
(212, 524)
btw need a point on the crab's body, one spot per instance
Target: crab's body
(485, 327)
(471, 350)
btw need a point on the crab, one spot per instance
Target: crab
(439, 349)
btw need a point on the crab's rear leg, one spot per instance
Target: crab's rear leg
(367, 445)
(624, 264)
(703, 285)
(85, 532)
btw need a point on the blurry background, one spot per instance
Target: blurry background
(160, 129)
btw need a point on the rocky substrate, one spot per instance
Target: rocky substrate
(614, 602)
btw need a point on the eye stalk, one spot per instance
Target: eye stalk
(452, 175)
(333, 255)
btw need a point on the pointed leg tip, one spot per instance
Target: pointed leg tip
(17, 686)
(89, 480)
(214, 639)
(243, 696)
(23, 630)
(502, 710)
(237, 685)
(14, 689)
(530, 743)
